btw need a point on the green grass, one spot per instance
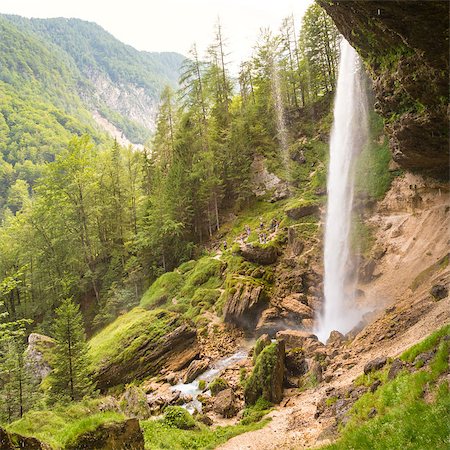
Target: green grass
(62, 425)
(158, 435)
(404, 420)
(162, 290)
(119, 340)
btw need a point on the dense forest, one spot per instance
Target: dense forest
(110, 251)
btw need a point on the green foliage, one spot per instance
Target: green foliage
(259, 346)
(427, 344)
(259, 383)
(178, 417)
(61, 425)
(119, 341)
(159, 436)
(398, 404)
(69, 378)
(217, 385)
(254, 413)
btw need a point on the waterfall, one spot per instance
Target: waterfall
(349, 133)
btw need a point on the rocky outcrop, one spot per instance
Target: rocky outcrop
(13, 441)
(174, 352)
(133, 403)
(195, 368)
(243, 304)
(126, 435)
(259, 255)
(375, 364)
(295, 307)
(439, 291)
(405, 47)
(38, 355)
(267, 378)
(225, 403)
(302, 211)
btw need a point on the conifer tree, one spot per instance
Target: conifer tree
(70, 377)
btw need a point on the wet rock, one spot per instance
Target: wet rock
(259, 255)
(133, 403)
(172, 378)
(438, 291)
(195, 368)
(335, 338)
(268, 321)
(38, 355)
(225, 403)
(375, 364)
(296, 338)
(243, 305)
(396, 367)
(302, 211)
(295, 307)
(126, 435)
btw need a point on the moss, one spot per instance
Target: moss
(256, 412)
(205, 274)
(63, 424)
(259, 382)
(219, 384)
(178, 417)
(201, 384)
(205, 296)
(259, 346)
(119, 341)
(162, 290)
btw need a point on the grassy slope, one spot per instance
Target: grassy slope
(404, 419)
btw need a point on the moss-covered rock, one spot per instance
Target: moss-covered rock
(139, 344)
(217, 385)
(267, 378)
(178, 417)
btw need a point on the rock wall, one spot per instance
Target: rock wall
(405, 47)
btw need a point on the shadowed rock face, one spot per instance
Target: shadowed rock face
(405, 47)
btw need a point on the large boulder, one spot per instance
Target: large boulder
(225, 403)
(38, 355)
(409, 67)
(126, 435)
(267, 378)
(293, 305)
(297, 338)
(244, 303)
(375, 364)
(259, 255)
(303, 211)
(171, 351)
(133, 403)
(195, 368)
(439, 291)
(14, 441)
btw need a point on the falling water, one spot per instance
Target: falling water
(348, 135)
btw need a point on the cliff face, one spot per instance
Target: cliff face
(405, 47)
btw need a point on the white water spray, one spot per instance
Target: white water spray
(279, 113)
(348, 135)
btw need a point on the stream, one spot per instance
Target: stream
(209, 375)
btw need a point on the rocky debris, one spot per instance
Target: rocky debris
(174, 352)
(13, 441)
(172, 378)
(280, 192)
(225, 403)
(293, 305)
(424, 358)
(162, 395)
(396, 367)
(267, 377)
(439, 291)
(126, 435)
(259, 255)
(299, 339)
(335, 338)
(37, 355)
(264, 182)
(412, 89)
(375, 364)
(195, 368)
(375, 385)
(133, 403)
(303, 211)
(243, 305)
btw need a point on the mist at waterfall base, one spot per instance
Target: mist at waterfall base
(348, 135)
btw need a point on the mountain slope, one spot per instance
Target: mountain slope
(114, 80)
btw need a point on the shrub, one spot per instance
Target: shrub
(178, 417)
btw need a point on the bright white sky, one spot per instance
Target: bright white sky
(171, 25)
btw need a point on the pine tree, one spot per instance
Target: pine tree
(70, 377)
